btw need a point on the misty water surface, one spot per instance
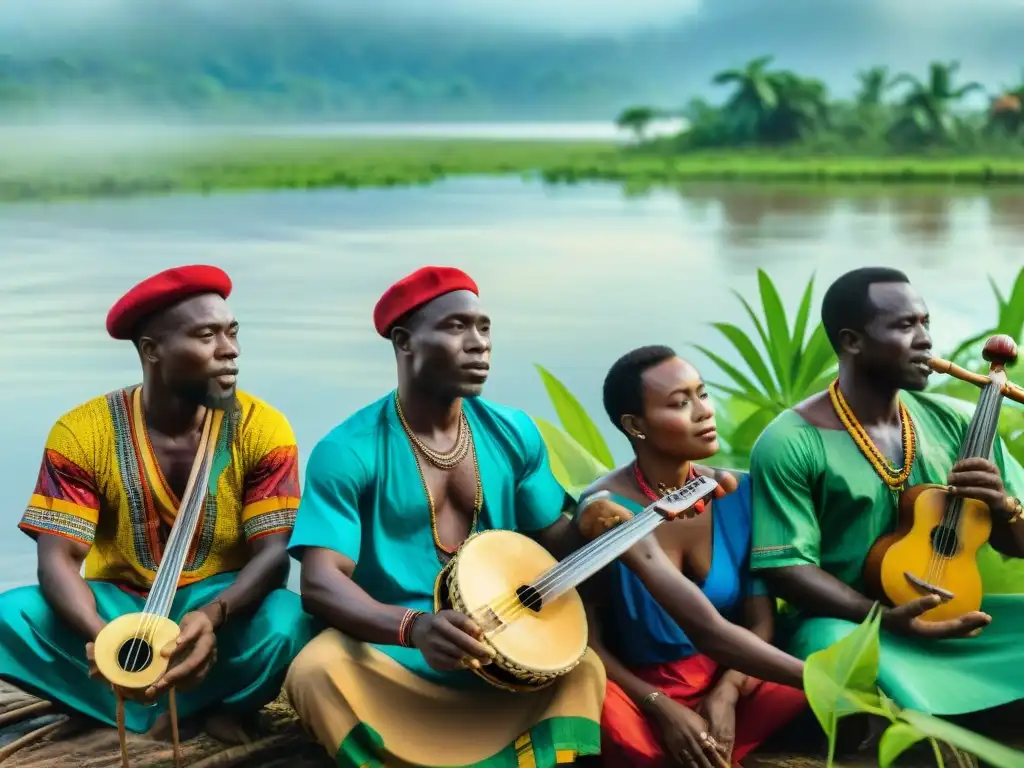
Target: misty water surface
(573, 277)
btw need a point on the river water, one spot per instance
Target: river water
(573, 277)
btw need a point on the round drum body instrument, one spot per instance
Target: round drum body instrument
(490, 580)
(127, 650)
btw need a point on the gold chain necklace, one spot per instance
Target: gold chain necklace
(440, 459)
(895, 477)
(478, 500)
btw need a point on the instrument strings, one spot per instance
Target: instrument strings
(978, 442)
(573, 569)
(165, 585)
(585, 562)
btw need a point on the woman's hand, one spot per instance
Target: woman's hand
(687, 737)
(719, 710)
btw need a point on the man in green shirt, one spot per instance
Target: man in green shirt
(826, 481)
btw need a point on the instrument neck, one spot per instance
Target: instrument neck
(981, 432)
(979, 439)
(588, 560)
(179, 542)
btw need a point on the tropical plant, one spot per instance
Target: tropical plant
(791, 366)
(771, 107)
(578, 454)
(636, 119)
(927, 115)
(841, 680)
(874, 83)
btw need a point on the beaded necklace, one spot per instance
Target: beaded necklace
(463, 447)
(645, 488)
(893, 476)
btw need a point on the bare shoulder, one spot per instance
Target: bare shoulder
(615, 481)
(727, 480)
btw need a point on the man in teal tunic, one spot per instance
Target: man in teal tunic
(390, 494)
(826, 481)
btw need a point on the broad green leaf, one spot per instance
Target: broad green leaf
(745, 434)
(803, 313)
(574, 418)
(749, 353)
(750, 392)
(779, 349)
(572, 465)
(758, 326)
(985, 749)
(754, 397)
(818, 357)
(897, 739)
(840, 680)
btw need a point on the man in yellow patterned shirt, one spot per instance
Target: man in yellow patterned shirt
(113, 472)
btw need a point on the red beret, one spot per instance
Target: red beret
(415, 290)
(162, 290)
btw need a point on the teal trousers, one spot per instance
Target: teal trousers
(42, 655)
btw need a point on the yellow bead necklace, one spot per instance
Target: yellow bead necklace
(893, 476)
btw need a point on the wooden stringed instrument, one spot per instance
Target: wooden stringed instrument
(934, 548)
(127, 650)
(525, 601)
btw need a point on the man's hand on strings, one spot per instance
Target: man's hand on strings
(980, 479)
(191, 655)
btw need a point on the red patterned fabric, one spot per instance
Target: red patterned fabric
(628, 738)
(162, 290)
(415, 290)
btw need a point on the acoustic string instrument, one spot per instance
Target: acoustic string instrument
(525, 601)
(934, 548)
(128, 650)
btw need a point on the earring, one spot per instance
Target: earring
(640, 436)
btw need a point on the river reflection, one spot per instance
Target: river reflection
(573, 277)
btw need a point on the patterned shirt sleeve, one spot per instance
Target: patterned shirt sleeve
(271, 489)
(784, 524)
(65, 501)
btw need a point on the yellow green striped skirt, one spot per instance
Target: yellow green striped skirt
(368, 711)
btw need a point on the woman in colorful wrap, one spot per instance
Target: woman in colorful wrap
(668, 702)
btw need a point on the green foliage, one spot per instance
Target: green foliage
(572, 465)
(779, 108)
(55, 171)
(575, 419)
(841, 680)
(790, 366)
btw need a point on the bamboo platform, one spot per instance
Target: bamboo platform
(33, 734)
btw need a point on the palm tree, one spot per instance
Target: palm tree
(636, 119)
(753, 98)
(927, 106)
(874, 83)
(802, 107)
(771, 107)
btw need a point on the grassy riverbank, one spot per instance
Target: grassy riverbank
(766, 166)
(207, 166)
(267, 163)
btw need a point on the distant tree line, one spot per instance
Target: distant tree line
(295, 66)
(890, 112)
